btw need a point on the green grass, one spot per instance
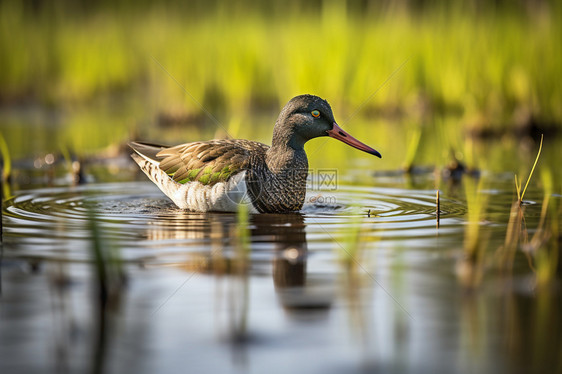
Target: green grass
(521, 195)
(544, 245)
(409, 83)
(470, 268)
(6, 167)
(483, 65)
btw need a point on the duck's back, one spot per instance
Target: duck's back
(201, 176)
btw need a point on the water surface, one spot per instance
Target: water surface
(361, 280)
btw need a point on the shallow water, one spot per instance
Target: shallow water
(339, 287)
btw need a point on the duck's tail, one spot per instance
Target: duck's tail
(147, 151)
(149, 163)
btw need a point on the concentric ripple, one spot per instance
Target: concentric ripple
(56, 223)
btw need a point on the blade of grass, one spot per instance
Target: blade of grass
(518, 188)
(412, 149)
(532, 170)
(7, 167)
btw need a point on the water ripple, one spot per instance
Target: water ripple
(52, 222)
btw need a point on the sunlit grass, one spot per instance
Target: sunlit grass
(484, 67)
(355, 271)
(6, 168)
(350, 249)
(458, 72)
(544, 245)
(471, 267)
(412, 149)
(516, 233)
(6, 159)
(521, 194)
(476, 202)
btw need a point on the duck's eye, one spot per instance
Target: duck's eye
(315, 113)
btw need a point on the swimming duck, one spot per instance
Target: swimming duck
(217, 175)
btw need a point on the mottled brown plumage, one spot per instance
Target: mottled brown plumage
(218, 158)
(273, 177)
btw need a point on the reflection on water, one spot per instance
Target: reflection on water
(215, 292)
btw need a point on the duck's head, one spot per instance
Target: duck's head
(307, 117)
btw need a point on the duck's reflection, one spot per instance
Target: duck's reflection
(181, 225)
(232, 248)
(214, 243)
(296, 291)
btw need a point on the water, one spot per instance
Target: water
(293, 293)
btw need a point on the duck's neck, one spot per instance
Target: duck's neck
(287, 148)
(278, 184)
(281, 159)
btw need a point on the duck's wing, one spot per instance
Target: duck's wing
(206, 162)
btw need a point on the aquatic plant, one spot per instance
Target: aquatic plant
(243, 230)
(411, 150)
(239, 287)
(349, 248)
(109, 283)
(6, 168)
(437, 208)
(544, 244)
(516, 233)
(110, 278)
(516, 230)
(521, 194)
(74, 167)
(470, 266)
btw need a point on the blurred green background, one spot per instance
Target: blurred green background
(86, 75)
(430, 84)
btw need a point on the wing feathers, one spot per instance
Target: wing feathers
(207, 162)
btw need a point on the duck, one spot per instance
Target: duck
(218, 175)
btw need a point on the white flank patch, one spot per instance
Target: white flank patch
(195, 196)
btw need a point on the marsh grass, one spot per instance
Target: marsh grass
(355, 273)
(110, 278)
(470, 268)
(243, 230)
(544, 245)
(412, 149)
(350, 252)
(517, 233)
(484, 65)
(437, 209)
(521, 194)
(541, 245)
(239, 284)
(109, 284)
(6, 169)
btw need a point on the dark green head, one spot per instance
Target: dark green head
(307, 117)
